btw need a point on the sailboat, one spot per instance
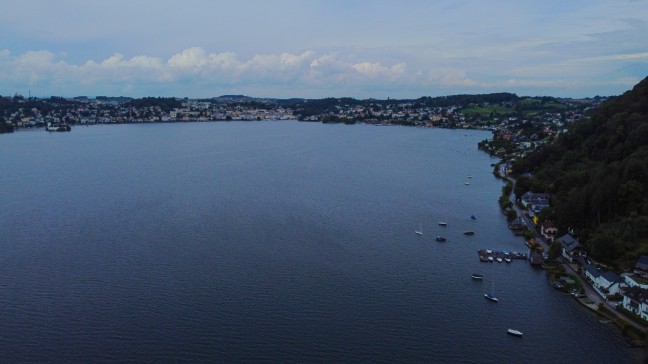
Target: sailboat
(491, 296)
(419, 231)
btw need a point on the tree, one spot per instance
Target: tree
(555, 249)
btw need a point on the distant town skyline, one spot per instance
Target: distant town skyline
(316, 49)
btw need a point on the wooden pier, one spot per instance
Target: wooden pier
(485, 254)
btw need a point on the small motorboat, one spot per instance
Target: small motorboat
(477, 276)
(469, 232)
(499, 260)
(441, 239)
(507, 259)
(514, 332)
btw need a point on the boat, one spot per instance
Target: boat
(514, 332)
(477, 276)
(443, 223)
(441, 238)
(490, 259)
(419, 231)
(473, 217)
(499, 260)
(491, 296)
(469, 232)
(466, 183)
(469, 176)
(507, 259)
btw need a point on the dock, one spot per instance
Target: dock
(484, 254)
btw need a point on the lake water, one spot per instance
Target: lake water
(269, 241)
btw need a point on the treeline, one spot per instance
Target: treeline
(453, 100)
(330, 105)
(598, 176)
(30, 106)
(164, 103)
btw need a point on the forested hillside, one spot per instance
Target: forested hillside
(598, 175)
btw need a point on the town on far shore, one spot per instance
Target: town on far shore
(521, 123)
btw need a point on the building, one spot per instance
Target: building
(606, 283)
(535, 202)
(642, 265)
(635, 299)
(548, 230)
(571, 248)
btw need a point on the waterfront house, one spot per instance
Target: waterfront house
(604, 282)
(635, 299)
(571, 248)
(635, 280)
(548, 230)
(535, 202)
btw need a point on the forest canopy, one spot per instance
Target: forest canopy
(597, 173)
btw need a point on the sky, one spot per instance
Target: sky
(315, 49)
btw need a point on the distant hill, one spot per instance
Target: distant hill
(598, 175)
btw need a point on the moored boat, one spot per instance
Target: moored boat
(477, 276)
(441, 238)
(419, 231)
(490, 297)
(469, 232)
(514, 332)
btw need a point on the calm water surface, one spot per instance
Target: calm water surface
(269, 241)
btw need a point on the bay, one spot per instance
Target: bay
(269, 241)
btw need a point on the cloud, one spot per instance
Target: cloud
(203, 74)
(190, 59)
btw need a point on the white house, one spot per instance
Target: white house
(632, 280)
(605, 283)
(635, 299)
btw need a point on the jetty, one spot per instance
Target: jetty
(488, 255)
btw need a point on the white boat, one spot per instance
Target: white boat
(419, 231)
(466, 183)
(514, 332)
(491, 296)
(490, 259)
(443, 223)
(499, 260)
(507, 259)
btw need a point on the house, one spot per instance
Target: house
(604, 282)
(548, 230)
(635, 299)
(535, 202)
(635, 280)
(642, 265)
(571, 248)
